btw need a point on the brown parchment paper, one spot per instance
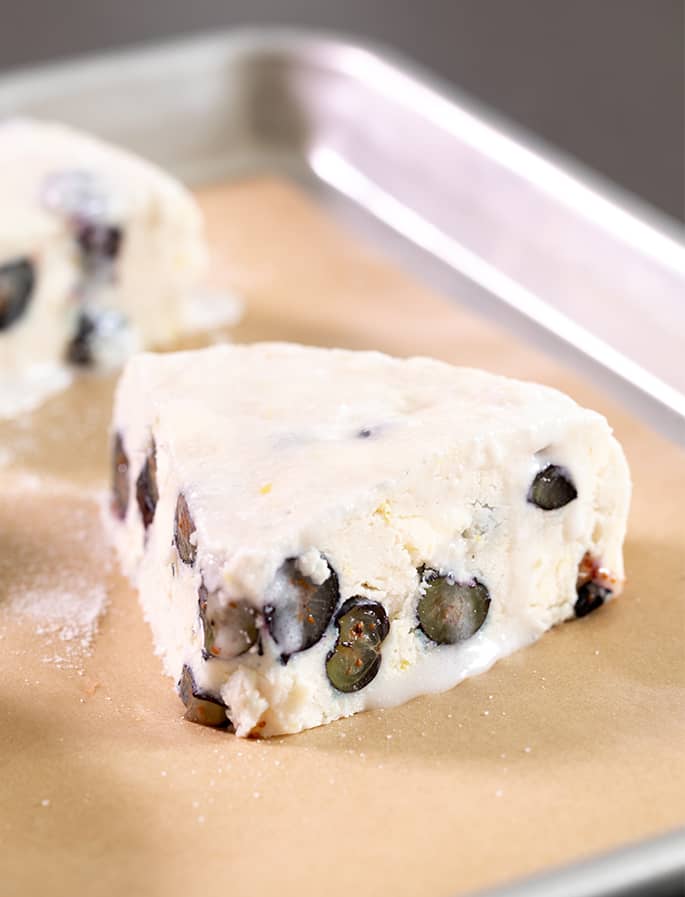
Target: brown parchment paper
(571, 746)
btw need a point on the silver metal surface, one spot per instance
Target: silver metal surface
(654, 868)
(521, 235)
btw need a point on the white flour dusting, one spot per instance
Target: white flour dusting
(53, 568)
(69, 616)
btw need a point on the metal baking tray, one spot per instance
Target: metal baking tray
(481, 211)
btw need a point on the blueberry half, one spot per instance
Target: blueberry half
(147, 494)
(201, 706)
(17, 280)
(120, 484)
(229, 626)
(450, 611)
(356, 658)
(184, 529)
(297, 611)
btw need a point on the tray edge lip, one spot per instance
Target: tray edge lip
(327, 48)
(665, 851)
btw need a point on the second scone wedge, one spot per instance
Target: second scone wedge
(315, 532)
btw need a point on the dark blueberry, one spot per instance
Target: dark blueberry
(98, 242)
(229, 627)
(365, 433)
(17, 280)
(451, 611)
(552, 488)
(184, 530)
(79, 349)
(362, 618)
(297, 611)
(100, 334)
(146, 488)
(120, 486)
(591, 596)
(356, 657)
(201, 706)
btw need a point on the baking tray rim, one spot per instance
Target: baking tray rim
(329, 49)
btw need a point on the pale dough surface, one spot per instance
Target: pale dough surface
(571, 746)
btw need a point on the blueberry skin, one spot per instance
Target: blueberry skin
(201, 706)
(591, 596)
(79, 349)
(147, 494)
(552, 488)
(98, 243)
(184, 527)
(120, 484)
(17, 281)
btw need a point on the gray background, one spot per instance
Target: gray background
(602, 79)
